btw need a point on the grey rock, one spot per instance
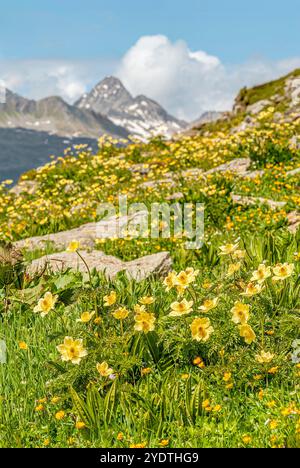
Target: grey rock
(258, 106)
(238, 166)
(86, 234)
(293, 172)
(293, 221)
(151, 265)
(248, 201)
(28, 186)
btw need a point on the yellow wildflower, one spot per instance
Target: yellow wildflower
(283, 271)
(181, 308)
(240, 313)
(201, 329)
(209, 304)
(72, 350)
(110, 299)
(46, 304)
(247, 333)
(104, 369)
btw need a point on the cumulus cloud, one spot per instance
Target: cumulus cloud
(189, 82)
(186, 82)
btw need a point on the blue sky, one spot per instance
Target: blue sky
(190, 55)
(231, 29)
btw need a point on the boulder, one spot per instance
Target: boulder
(239, 166)
(245, 200)
(293, 172)
(158, 264)
(86, 234)
(293, 221)
(28, 186)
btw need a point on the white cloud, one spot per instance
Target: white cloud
(187, 83)
(40, 78)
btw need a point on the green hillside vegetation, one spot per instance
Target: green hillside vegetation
(207, 355)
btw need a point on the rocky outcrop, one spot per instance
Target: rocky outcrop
(293, 221)
(86, 234)
(238, 166)
(249, 201)
(151, 265)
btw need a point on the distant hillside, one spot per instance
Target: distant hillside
(22, 150)
(54, 116)
(283, 95)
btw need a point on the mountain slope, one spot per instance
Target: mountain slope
(140, 116)
(24, 149)
(55, 116)
(280, 98)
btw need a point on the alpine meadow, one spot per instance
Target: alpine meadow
(137, 341)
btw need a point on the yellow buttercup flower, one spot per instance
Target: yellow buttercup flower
(240, 313)
(261, 274)
(80, 425)
(233, 268)
(201, 329)
(121, 314)
(60, 415)
(246, 439)
(252, 289)
(46, 304)
(144, 322)
(73, 246)
(247, 333)
(23, 345)
(170, 281)
(110, 300)
(227, 376)
(86, 317)
(181, 308)
(147, 300)
(104, 369)
(55, 400)
(283, 271)
(264, 357)
(209, 304)
(185, 278)
(72, 350)
(228, 249)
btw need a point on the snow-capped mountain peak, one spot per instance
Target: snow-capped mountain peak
(140, 116)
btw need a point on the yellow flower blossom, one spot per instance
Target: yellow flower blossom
(209, 304)
(283, 271)
(121, 313)
(104, 369)
(201, 329)
(240, 313)
(261, 274)
(86, 317)
(144, 322)
(73, 246)
(72, 350)
(252, 290)
(228, 249)
(247, 333)
(181, 308)
(111, 299)
(264, 357)
(46, 304)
